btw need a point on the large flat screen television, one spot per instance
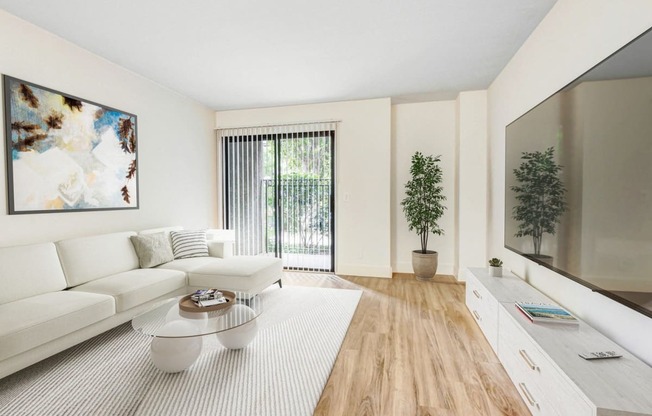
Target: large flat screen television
(578, 179)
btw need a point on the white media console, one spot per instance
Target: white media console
(542, 358)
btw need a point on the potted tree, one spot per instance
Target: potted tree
(541, 197)
(423, 207)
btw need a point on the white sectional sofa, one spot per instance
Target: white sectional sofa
(55, 295)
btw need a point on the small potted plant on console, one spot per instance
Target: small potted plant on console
(496, 267)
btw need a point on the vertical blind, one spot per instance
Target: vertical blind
(278, 191)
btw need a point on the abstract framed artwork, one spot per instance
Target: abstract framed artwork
(66, 154)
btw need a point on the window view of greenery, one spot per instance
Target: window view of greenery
(279, 191)
(304, 185)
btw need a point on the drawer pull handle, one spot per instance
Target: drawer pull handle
(477, 295)
(477, 316)
(527, 395)
(528, 360)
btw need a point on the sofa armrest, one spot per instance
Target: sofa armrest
(222, 249)
(220, 242)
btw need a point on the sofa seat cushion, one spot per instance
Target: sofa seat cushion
(30, 322)
(135, 287)
(239, 273)
(189, 264)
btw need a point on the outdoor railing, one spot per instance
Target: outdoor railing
(301, 208)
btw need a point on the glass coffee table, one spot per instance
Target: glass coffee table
(177, 334)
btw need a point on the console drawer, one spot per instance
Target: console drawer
(484, 309)
(527, 387)
(520, 355)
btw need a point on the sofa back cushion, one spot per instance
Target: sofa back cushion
(28, 271)
(90, 258)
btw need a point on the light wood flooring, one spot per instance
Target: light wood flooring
(412, 349)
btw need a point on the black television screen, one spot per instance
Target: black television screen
(578, 179)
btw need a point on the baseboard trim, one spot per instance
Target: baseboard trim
(364, 270)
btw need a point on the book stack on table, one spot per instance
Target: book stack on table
(208, 297)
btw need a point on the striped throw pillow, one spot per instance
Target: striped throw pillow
(187, 244)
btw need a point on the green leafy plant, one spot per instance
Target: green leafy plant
(423, 204)
(540, 194)
(495, 262)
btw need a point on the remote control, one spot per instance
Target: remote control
(598, 355)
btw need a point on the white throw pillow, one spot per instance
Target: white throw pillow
(152, 249)
(187, 244)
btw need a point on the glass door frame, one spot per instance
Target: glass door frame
(278, 138)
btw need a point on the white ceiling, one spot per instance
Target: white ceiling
(261, 53)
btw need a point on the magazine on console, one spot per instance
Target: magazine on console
(538, 312)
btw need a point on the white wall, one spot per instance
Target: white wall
(429, 128)
(374, 146)
(176, 144)
(575, 36)
(472, 180)
(362, 165)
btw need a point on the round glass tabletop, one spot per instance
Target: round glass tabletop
(166, 320)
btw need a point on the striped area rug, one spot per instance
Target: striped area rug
(282, 372)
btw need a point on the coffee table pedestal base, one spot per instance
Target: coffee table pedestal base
(240, 336)
(173, 355)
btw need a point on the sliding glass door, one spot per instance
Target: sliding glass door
(279, 194)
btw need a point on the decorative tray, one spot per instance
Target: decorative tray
(186, 304)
